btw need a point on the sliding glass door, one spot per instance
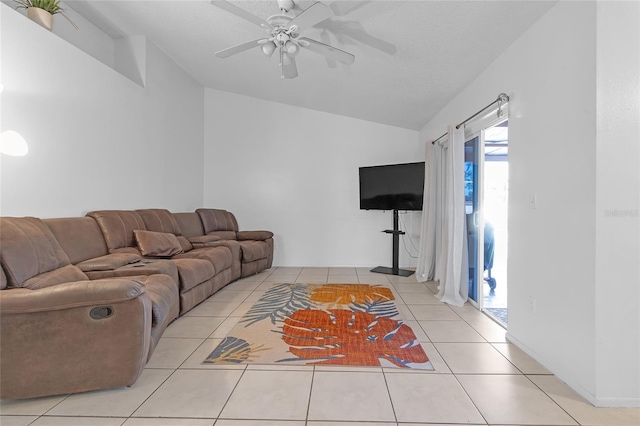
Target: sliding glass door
(472, 196)
(486, 196)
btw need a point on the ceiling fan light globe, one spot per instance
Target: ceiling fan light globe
(291, 49)
(268, 48)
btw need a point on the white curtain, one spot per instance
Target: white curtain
(443, 241)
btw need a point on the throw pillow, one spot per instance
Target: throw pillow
(157, 244)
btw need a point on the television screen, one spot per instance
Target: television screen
(392, 187)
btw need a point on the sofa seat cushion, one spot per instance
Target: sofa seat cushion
(108, 262)
(193, 272)
(66, 274)
(220, 257)
(144, 267)
(157, 244)
(129, 250)
(254, 250)
(163, 291)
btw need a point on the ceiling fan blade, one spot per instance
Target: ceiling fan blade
(326, 50)
(242, 14)
(289, 68)
(316, 13)
(225, 53)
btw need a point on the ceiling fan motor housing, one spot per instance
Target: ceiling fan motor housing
(279, 21)
(285, 5)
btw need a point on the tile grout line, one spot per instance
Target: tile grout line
(313, 376)
(470, 399)
(152, 393)
(386, 384)
(191, 354)
(244, 370)
(552, 399)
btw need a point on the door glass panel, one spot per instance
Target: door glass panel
(495, 213)
(471, 160)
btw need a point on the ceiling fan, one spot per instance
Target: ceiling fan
(283, 34)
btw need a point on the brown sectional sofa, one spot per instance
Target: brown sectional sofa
(256, 247)
(84, 300)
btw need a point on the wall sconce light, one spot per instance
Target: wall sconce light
(12, 143)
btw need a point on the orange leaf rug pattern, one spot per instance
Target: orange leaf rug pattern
(323, 324)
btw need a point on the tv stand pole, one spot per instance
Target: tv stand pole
(394, 270)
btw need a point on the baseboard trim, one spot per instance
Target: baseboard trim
(573, 384)
(618, 402)
(546, 364)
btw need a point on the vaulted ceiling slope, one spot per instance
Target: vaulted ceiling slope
(412, 57)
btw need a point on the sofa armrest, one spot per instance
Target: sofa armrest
(108, 262)
(69, 295)
(254, 235)
(73, 337)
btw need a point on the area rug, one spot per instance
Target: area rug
(323, 324)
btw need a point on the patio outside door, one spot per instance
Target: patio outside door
(486, 195)
(472, 156)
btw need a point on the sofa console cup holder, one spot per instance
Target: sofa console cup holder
(101, 312)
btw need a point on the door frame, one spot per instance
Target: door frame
(479, 190)
(477, 129)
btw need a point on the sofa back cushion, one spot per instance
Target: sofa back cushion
(162, 220)
(31, 257)
(117, 227)
(218, 222)
(79, 237)
(190, 224)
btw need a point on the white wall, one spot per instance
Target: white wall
(295, 171)
(96, 139)
(87, 37)
(618, 204)
(554, 152)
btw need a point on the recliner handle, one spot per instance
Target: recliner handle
(101, 312)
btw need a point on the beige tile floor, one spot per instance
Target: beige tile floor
(479, 377)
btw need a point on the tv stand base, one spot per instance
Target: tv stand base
(395, 234)
(392, 271)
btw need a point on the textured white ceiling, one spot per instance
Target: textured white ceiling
(412, 57)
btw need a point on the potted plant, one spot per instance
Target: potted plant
(42, 11)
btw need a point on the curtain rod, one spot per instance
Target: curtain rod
(502, 98)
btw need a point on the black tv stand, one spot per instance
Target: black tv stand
(394, 270)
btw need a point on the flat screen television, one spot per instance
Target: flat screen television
(392, 187)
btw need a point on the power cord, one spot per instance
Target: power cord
(404, 243)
